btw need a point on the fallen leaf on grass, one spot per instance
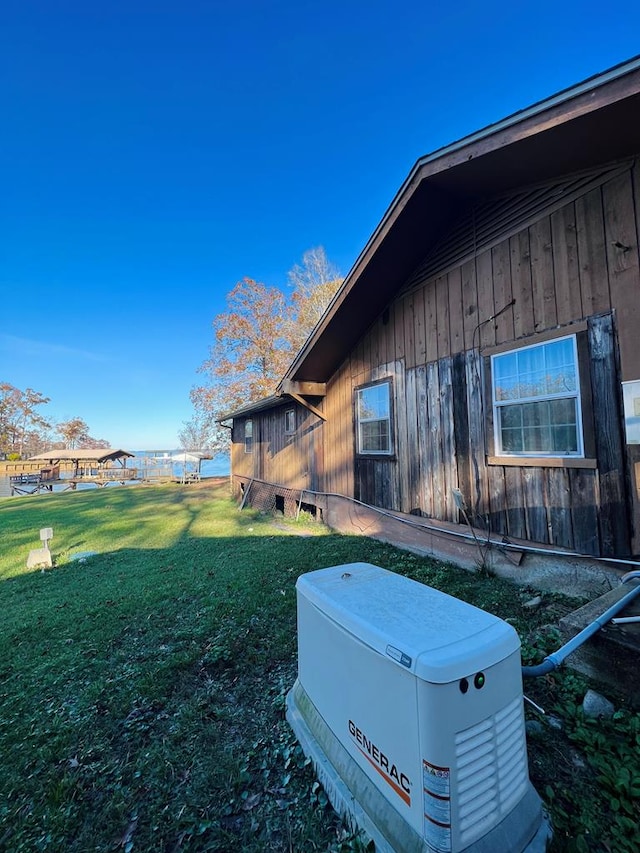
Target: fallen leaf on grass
(251, 802)
(125, 842)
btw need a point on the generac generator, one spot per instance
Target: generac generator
(409, 703)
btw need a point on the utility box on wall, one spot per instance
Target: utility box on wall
(409, 701)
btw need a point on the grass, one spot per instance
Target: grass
(142, 690)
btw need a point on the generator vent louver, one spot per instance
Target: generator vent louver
(491, 768)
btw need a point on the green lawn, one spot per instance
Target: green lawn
(142, 691)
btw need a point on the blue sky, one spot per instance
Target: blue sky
(154, 153)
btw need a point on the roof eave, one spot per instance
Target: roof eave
(559, 110)
(262, 405)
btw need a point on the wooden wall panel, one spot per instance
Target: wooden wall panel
(281, 458)
(542, 281)
(412, 461)
(376, 350)
(558, 500)
(317, 463)
(534, 504)
(461, 425)
(486, 307)
(614, 514)
(424, 486)
(592, 257)
(398, 328)
(404, 449)
(409, 330)
(514, 498)
(456, 312)
(331, 446)
(434, 458)
(565, 265)
(497, 500)
(502, 293)
(431, 322)
(388, 352)
(419, 335)
(521, 286)
(584, 511)
(479, 497)
(442, 312)
(624, 276)
(356, 360)
(469, 304)
(346, 439)
(447, 437)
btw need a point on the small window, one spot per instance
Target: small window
(373, 418)
(290, 421)
(536, 400)
(248, 436)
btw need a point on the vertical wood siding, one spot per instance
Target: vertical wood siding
(277, 457)
(577, 262)
(560, 269)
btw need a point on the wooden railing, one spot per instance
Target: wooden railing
(32, 478)
(115, 474)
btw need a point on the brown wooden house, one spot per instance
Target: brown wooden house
(485, 347)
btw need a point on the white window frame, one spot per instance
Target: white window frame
(359, 421)
(499, 405)
(288, 428)
(248, 436)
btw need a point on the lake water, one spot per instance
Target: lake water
(219, 466)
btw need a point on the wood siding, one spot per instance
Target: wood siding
(294, 459)
(574, 267)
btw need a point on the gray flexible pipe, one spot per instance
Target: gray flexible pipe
(554, 660)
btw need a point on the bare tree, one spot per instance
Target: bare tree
(314, 283)
(202, 432)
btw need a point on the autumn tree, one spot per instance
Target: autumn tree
(251, 349)
(73, 432)
(21, 423)
(8, 416)
(30, 418)
(255, 341)
(89, 442)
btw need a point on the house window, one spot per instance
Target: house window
(373, 418)
(248, 436)
(290, 421)
(536, 400)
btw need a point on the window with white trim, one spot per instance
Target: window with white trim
(373, 419)
(536, 400)
(248, 436)
(290, 421)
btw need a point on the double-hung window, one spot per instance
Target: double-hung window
(536, 400)
(373, 419)
(248, 436)
(290, 421)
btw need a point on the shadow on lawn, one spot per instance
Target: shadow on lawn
(145, 688)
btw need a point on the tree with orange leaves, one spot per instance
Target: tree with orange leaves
(255, 340)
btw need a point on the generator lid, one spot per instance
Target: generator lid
(432, 634)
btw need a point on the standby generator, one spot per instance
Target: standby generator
(409, 703)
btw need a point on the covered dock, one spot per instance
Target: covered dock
(70, 468)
